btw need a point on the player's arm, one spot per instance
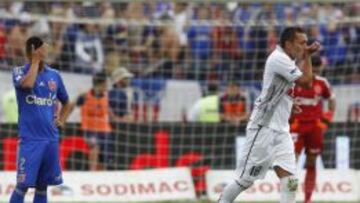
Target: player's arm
(63, 97)
(332, 104)
(77, 103)
(28, 81)
(305, 66)
(329, 96)
(64, 114)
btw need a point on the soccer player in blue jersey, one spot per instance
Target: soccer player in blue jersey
(38, 90)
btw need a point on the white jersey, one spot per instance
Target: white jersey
(273, 106)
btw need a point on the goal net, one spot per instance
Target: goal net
(161, 58)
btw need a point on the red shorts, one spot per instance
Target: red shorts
(308, 135)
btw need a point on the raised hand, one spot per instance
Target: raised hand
(312, 48)
(38, 54)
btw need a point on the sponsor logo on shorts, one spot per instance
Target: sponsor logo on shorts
(21, 178)
(58, 178)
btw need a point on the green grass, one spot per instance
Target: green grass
(201, 201)
(207, 201)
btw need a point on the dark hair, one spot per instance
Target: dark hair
(288, 34)
(99, 78)
(33, 43)
(316, 60)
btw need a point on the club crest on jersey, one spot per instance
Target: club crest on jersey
(52, 85)
(317, 89)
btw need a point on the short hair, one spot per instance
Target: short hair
(288, 34)
(99, 78)
(33, 43)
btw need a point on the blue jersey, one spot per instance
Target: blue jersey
(37, 106)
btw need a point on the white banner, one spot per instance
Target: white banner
(332, 185)
(116, 186)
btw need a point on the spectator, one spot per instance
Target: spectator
(233, 105)
(206, 109)
(243, 13)
(272, 39)
(67, 54)
(226, 48)
(256, 50)
(334, 45)
(57, 31)
(95, 122)
(3, 41)
(138, 40)
(181, 17)
(354, 112)
(165, 49)
(117, 37)
(88, 49)
(121, 96)
(112, 61)
(199, 36)
(16, 40)
(106, 10)
(265, 14)
(315, 34)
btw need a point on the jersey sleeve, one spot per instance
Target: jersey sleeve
(62, 94)
(80, 100)
(18, 75)
(287, 69)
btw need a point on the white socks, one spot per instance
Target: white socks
(289, 186)
(231, 191)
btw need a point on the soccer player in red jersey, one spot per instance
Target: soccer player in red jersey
(309, 121)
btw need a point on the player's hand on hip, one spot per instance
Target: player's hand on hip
(312, 48)
(59, 123)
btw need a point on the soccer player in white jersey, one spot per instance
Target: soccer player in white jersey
(268, 141)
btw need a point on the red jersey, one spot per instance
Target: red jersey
(310, 99)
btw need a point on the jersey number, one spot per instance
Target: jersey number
(255, 170)
(22, 164)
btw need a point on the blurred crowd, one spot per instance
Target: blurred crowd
(155, 39)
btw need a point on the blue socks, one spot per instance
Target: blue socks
(40, 195)
(18, 195)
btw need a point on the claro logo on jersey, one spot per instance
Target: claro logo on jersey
(41, 101)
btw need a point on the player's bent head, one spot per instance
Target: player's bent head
(289, 35)
(293, 41)
(33, 43)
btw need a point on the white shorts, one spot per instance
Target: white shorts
(265, 148)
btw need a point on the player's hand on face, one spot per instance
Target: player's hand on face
(312, 48)
(38, 54)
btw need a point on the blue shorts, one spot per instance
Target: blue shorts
(38, 163)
